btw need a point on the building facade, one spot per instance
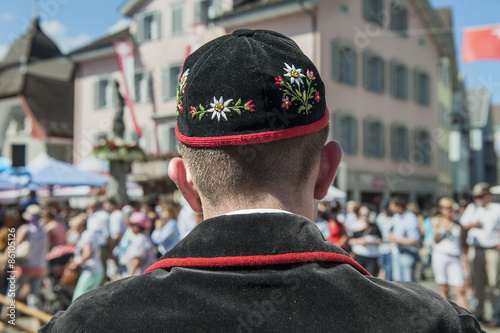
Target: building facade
(383, 64)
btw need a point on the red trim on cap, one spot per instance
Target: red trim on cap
(259, 260)
(235, 140)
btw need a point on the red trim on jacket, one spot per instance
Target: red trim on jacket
(244, 139)
(259, 260)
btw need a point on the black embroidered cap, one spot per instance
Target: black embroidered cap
(251, 86)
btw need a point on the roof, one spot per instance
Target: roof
(104, 42)
(478, 101)
(129, 7)
(44, 79)
(33, 45)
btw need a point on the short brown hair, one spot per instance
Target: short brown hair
(248, 170)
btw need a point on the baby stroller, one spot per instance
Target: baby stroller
(56, 295)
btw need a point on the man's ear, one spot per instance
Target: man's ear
(331, 156)
(181, 176)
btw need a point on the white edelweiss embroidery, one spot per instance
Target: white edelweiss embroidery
(182, 81)
(219, 107)
(294, 74)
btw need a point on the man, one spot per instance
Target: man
(252, 125)
(481, 221)
(385, 224)
(117, 228)
(406, 235)
(98, 223)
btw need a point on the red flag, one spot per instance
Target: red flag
(125, 55)
(481, 43)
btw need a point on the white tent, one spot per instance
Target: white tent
(335, 194)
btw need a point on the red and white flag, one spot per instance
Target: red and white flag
(481, 43)
(125, 55)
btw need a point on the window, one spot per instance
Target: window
(143, 87)
(148, 27)
(399, 18)
(374, 138)
(205, 10)
(101, 136)
(444, 162)
(344, 67)
(399, 79)
(421, 87)
(373, 11)
(373, 72)
(346, 131)
(399, 142)
(103, 93)
(145, 140)
(177, 19)
(170, 79)
(444, 71)
(423, 148)
(168, 141)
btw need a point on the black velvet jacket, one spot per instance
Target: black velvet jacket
(262, 272)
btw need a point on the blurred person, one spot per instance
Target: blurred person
(149, 209)
(481, 221)
(365, 239)
(140, 253)
(258, 257)
(338, 234)
(121, 250)
(166, 235)
(87, 257)
(446, 253)
(324, 212)
(406, 235)
(55, 229)
(350, 216)
(98, 224)
(385, 224)
(186, 221)
(31, 271)
(427, 231)
(116, 230)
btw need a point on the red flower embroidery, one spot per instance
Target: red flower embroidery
(249, 106)
(316, 97)
(193, 110)
(279, 81)
(180, 107)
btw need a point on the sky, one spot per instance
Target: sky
(74, 23)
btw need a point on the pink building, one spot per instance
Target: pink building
(378, 59)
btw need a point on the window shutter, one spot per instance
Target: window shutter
(427, 89)
(416, 88)
(197, 12)
(149, 86)
(165, 83)
(97, 104)
(366, 69)
(157, 19)
(394, 142)
(405, 82)
(382, 76)
(354, 135)
(139, 35)
(366, 9)
(366, 137)
(404, 21)
(382, 139)
(354, 64)
(336, 60)
(406, 141)
(336, 126)
(393, 78)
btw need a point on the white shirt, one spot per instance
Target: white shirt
(488, 236)
(116, 223)
(98, 223)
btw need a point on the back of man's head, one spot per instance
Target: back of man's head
(251, 115)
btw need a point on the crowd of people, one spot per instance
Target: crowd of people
(72, 251)
(458, 241)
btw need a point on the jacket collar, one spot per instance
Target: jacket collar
(253, 239)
